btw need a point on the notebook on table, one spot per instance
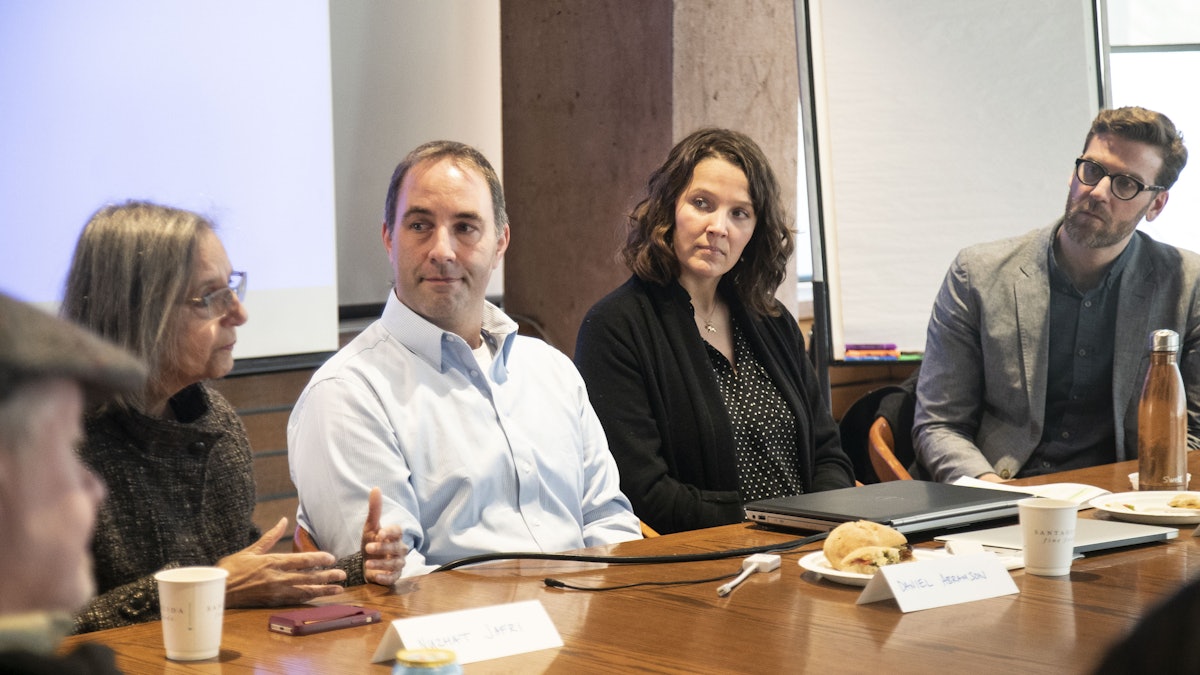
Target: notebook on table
(906, 505)
(1090, 535)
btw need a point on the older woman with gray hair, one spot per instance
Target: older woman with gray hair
(175, 456)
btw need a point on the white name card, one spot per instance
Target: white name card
(939, 582)
(474, 634)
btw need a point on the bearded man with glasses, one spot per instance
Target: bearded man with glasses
(1036, 348)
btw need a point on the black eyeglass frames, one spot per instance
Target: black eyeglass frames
(1124, 187)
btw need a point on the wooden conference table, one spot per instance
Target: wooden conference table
(782, 621)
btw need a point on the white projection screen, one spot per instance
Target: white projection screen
(218, 106)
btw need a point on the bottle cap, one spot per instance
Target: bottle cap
(1164, 341)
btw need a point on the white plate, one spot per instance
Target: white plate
(816, 563)
(1147, 507)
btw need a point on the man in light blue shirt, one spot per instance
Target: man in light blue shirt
(481, 440)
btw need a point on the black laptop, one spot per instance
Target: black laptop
(906, 505)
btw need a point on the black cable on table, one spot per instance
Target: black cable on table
(636, 560)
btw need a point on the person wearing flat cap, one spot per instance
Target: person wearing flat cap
(49, 370)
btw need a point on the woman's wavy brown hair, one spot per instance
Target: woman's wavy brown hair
(649, 250)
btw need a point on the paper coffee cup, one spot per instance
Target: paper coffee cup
(192, 601)
(1048, 535)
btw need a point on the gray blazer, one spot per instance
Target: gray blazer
(981, 398)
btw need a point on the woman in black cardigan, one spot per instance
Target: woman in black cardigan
(697, 372)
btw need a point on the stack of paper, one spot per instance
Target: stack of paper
(1078, 493)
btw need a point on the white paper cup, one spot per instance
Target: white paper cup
(192, 600)
(1048, 535)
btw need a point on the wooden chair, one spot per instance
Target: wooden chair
(647, 531)
(881, 450)
(303, 542)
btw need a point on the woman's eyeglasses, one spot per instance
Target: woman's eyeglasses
(220, 302)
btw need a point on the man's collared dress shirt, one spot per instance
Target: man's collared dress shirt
(511, 458)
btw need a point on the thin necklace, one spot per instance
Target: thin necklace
(708, 324)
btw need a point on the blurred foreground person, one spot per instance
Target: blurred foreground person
(48, 498)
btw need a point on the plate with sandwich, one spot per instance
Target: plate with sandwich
(1152, 507)
(816, 563)
(854, 551)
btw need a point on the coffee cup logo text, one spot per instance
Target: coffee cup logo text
(1054, 536)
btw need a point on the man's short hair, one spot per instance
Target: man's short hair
(1145, 126)
(464, 156)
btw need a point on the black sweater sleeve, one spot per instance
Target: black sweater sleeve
(828, 464)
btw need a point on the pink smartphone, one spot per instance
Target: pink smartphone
(320, 619)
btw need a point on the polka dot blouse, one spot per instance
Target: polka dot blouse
(764, 427)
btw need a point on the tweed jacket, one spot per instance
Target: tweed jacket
(179, 494)
(981, 398)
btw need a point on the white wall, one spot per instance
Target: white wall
(1150, 77)
(404, 73)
